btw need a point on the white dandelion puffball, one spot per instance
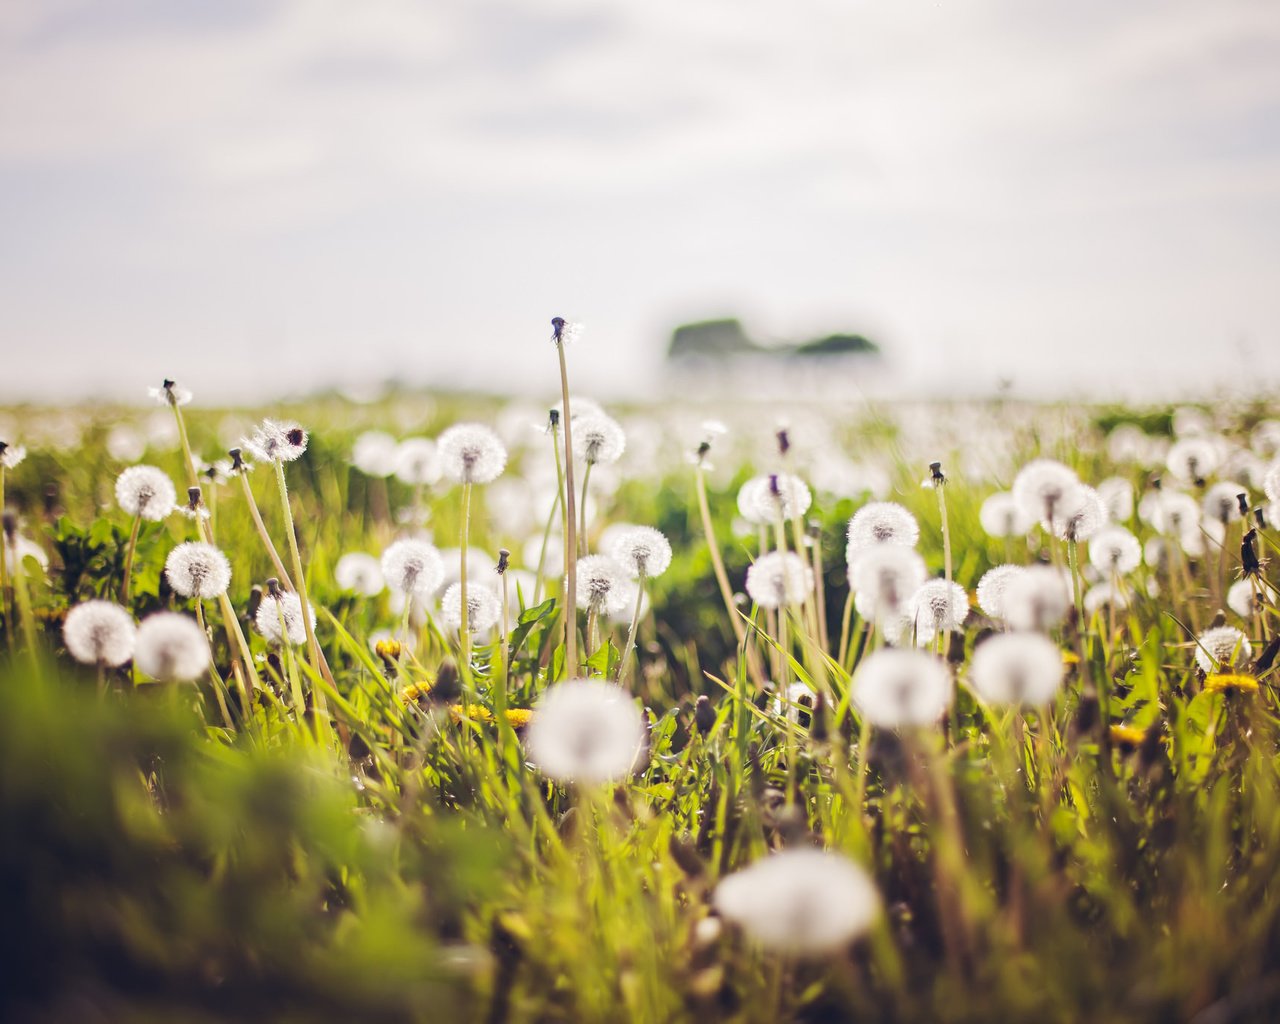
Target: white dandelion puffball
(199, 570)
(1265, 438)
(18, 549)
(374, 453)
(11, 455)
(1271, 483)
(779, 579)
(271, 610)
(993, 586)
(1000, 516)
(1242, 598)
(1036, 599)
(171, 393)
(896, 688)
(146, 492)
(585, 731)
(1173, 513)
(881, 522)
(597, 438)
(171, 648)
(630, 591)
(417, 461)
(799, 699)
(471, 453)
(1127, 442)
(1017, 668)
(802, 902)
(1221, 503)
(99, 633)
(1191, 459)
(1078, 516)
(1114, 550)
(937, 606)
(782, 496)
(602, 585)
(359, 573)
(1117, 495)
(883, 578)
(1040, 486)
(483, 607)
(642, 551)
(413, 567)
(274, 441)
(1222, 647)
(1100, 595)
(749, 501)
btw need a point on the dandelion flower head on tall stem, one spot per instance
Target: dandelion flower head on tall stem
(374, 453)
(1041, 486)
(993, 586)
(99, 633)
(586, 732)
(1221, 502)
(471, 453)
(1191, 459)
(883, 578)
(899, 688)
(1036, 599)
(199, 570)
(937, 606)
(602, 585)
(359, 573)
(276, 441)
(288, 607)
(642, 551)
(598, 438)
(1222, 646)
(413, 567)
(146, 492)
(881, 522)
(1017, 668)
(1078, 516)
(779, 579)
(171, 648)
(1000, 516)
(417, 461)
(11, 455)
(483, 607)
(1113, 549)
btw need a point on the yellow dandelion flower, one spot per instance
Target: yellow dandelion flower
(518, 718)
(1070, 658)
(1224, 682)
(387, 650)
(474, 712)
(415, 692)
(1127, 737)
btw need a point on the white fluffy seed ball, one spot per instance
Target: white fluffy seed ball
(471, 453)
(586, 731)
(199, 570)
(146, 492)
(642, 551)
(359, 573)
(171, 648)
(271, 610)
(483, 607)
(413, 567)
(1017, 668)
(897, 688)
(99, 633)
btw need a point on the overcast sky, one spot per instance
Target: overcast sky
(256, 196)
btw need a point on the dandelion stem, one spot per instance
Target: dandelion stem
(571, 536)
(542, 551)
(1073, 560)
(624, 664)
(276, 563)
(464, 628)
(582, 510)
(4, 571)
(128, 560)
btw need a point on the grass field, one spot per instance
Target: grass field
(1052, 797)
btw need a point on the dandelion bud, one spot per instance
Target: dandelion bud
(1221, 647)
(171, 648)
(800, 902)
(279, 619)
(359, 573)
(553, 418)
(276, 442)
(1251, 566)
(993, 586)
(896, 688)
(602, 585)
(586, 731)
(598, 438)
(447, 687)
(779, 579)
(99, 633)
(1172, 513)
(9, 524)
(146, 492)
(483, 607)
(413, 568)
(1115, 551)
(1017, 668)
(1036, 599)
(881, 522)
(642, 551)
(237, 461)
(1100, 595)
(704, 714)
(1040, 486)
(471, 453)
(936, 476)
(784, 441)
(797, 704)
(11, 455)
(504, 560)
(198, 570)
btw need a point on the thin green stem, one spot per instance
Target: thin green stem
(129, 550)
(625, 663)
(571, 526)
(464, 630)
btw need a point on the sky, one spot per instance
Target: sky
(261, 197)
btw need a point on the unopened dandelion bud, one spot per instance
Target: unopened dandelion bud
(704, 714)
(936, 476)
(273, 587)
(237, 462)
(9, 519)
(448, 685)
(1249, 555)
(784, 441)
(504, 560)
(1242, 501)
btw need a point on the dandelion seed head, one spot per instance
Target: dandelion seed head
(272, 441)
(1170, 512)
(146, 492)
(288, 607)
(1242, 598)
(883, 578)
(800, 902)
(565, 331)
(1040, 486)
(471, 453)
(359, 573)
(586, 731)
(1100, 595)
(1114, 550)
(1221, 504)
(99, 633)
(779, 496)
(1117, 495)
(898, 688)
(598, 438)
(1000, 516)
(18, 549)
(1036, 599)
(483, 607)
(992, 588)
(1222, 646)
(172, 648)
(602, 584)
(11, 455)
(1017, 668)
(880, 522)
(1078, 515)
(1191, 459)
(199, 570)
(417, 461)
(799, 700)
(642, 551)
(413, 567)
(779, 579)
(170, 393)
(937, 606)
(374, 453)
(1265, 438)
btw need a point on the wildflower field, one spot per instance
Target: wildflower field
(439, 709)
